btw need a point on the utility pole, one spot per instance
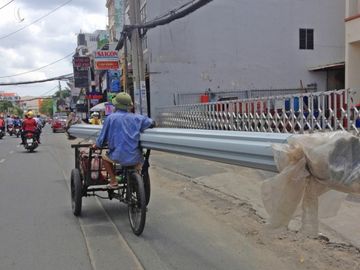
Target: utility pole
(60, 93)
(137, 59)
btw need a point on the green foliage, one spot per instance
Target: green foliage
(46, 107)
(5, 106)
(9, 107)
(64, 93)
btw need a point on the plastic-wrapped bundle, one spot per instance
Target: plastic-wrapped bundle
(310, 165)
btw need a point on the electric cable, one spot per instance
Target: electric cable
(8, 3)
(37, 20)
(173, 15)
(30, 71)
(42, 96)
(61, 77)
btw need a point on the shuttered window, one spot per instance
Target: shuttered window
(306, 39)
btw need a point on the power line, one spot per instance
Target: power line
(175, 14)
(62, 77)
(30, 71)
(47, 14)
(42, 96)
(7, 4)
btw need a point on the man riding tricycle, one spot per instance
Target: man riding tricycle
(120, 168)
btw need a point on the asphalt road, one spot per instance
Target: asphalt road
(38, 230)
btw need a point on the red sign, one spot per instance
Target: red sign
(105, 65)
(81, 62)
(106, 54)
(94, 96)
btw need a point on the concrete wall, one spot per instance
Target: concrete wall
(242, 44)
(352, 55)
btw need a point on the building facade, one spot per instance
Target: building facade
(240, 45)
(352, 21)
(115, 18)
(12, 97)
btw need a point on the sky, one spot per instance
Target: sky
(43, 42)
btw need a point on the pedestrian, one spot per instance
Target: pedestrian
(71, 120)
(121, 131)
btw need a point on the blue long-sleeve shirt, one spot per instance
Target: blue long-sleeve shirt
(121, 130)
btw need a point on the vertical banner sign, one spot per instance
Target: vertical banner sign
(143, 98)
(81, 67)
(137, 105)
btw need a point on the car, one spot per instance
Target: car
(58, 124)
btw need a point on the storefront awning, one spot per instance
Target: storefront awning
(328, 67)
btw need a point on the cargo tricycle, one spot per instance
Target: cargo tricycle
(89, 178)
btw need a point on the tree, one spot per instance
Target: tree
(5, 106)
(64, 93)
(46, 107)
(8, 107)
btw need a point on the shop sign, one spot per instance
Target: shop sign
(81, 62)
(106, 60)
(81, 77)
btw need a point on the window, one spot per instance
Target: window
(306, 37)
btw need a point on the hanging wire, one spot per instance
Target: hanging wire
(30, 71)
(37, 20)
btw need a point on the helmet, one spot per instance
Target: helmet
(30, 114)
(95, 114)
(122, 101)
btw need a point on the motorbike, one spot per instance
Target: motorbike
(10, 130)
(17, 131)
(31, 142)
(2, 133)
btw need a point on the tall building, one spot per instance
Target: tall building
(115, 18)
(241, 45)
(8, 96)
(352, 21)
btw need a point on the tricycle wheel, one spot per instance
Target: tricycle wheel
(147, 186)
(76, 192)
(136, 203)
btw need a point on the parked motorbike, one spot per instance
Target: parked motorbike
(31, 142)
(10, 130)
(17, 131)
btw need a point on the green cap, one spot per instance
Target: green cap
(122, 101)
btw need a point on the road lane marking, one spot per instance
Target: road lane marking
(2, 160)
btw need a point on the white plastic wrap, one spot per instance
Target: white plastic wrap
(309, 166)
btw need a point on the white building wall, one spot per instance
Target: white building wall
(352, 78)
(242, 44)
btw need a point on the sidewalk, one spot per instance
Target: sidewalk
(244, 183)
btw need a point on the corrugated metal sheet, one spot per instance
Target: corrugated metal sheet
(250, 149)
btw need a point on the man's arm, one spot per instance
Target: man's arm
(103, 134)
(147, 123)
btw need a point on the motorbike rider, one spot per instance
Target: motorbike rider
(17, 121)
(95, 119)
(39, 127)
(2, 123)
(9, 122)
(29, 125)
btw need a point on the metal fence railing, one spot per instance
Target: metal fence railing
(295, 113)
(194, 98)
